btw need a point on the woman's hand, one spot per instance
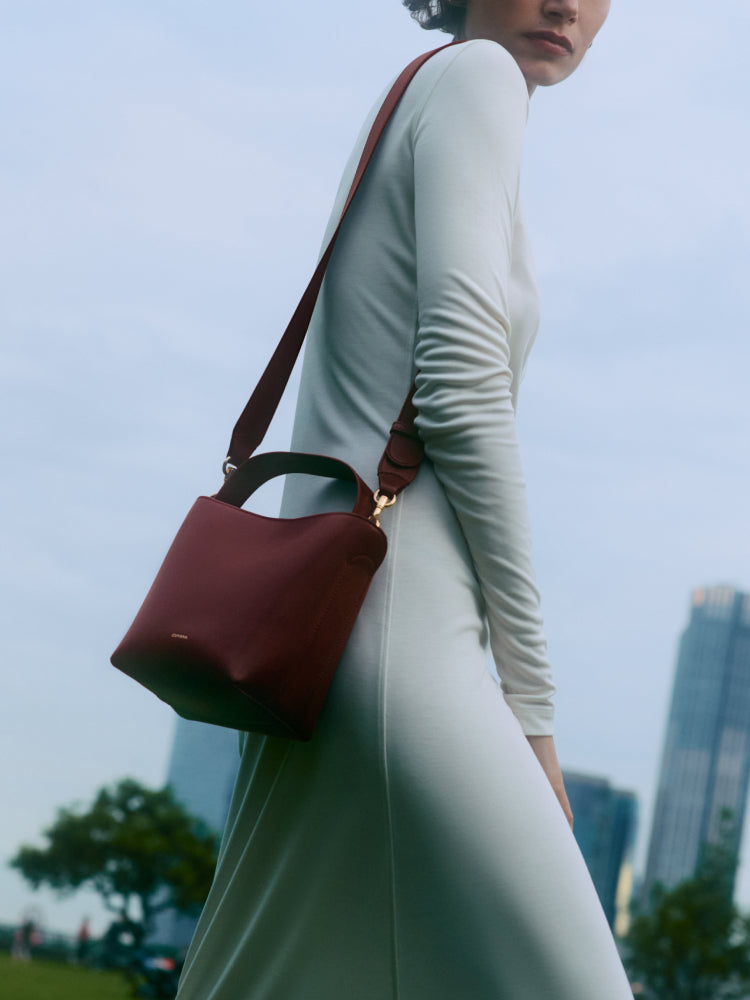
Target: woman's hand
(544, 748)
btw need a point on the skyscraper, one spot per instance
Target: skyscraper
(202, 770)
(706, 759)
(605, 826)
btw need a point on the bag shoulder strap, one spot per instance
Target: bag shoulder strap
(403, 453)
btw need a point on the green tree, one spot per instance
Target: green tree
(693, 944)
(137, 848)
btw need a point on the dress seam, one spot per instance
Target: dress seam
(385, 648)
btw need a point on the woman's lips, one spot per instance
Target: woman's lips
(550, 42)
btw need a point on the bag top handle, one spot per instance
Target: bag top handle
(404, 451)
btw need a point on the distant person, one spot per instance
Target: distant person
(24, 937)
(83, 941)
(420, 846)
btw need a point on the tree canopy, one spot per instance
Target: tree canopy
(693, 944)
(139, 849)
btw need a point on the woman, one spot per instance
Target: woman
(416, 849)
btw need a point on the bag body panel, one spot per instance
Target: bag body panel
(250, 605)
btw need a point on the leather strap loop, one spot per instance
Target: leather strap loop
(256, 471)
(404, 451)
(399, 463)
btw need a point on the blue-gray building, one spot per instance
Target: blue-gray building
(605, 822)
(202, 770)
(706, 758)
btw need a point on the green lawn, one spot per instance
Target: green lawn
(39, 980)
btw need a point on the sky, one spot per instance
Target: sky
(167, 172)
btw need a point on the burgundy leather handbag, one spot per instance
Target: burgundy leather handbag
(248, 616)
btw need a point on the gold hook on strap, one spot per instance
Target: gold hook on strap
(381, 502)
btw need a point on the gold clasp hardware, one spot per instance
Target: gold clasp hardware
(228, 467)
(381, 502)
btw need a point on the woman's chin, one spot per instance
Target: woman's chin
(543, 74)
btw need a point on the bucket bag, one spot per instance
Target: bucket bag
(248, 616)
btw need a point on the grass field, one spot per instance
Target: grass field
(41, 980)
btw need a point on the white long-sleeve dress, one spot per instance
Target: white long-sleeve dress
(414, 849)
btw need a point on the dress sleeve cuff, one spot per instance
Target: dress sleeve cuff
(535, 719)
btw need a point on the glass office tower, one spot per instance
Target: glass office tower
(202, 771)
(706, 759)
(203, 768)
(605, 820)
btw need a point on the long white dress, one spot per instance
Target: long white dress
(414, 849)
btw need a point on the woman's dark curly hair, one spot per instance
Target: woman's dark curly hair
(447, 15)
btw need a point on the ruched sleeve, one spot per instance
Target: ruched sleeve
(467, 146)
